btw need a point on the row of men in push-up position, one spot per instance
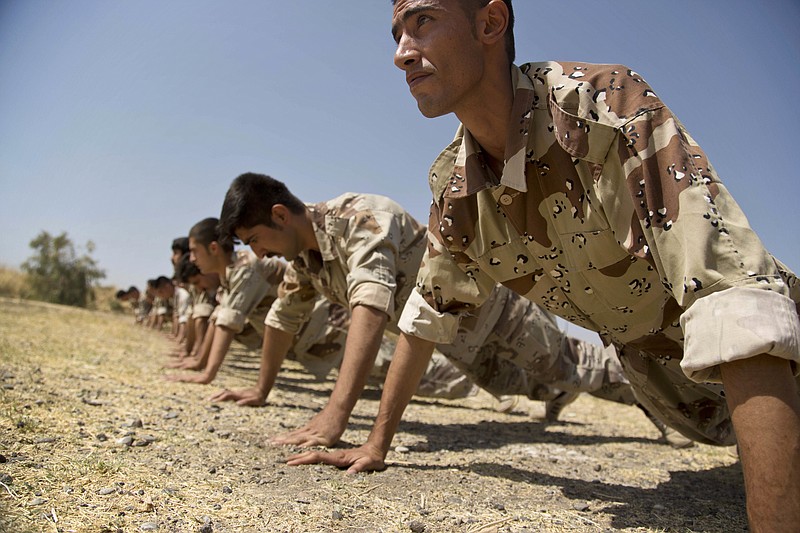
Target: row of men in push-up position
(570, 186)
(360, 250)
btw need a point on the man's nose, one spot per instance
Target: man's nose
(406, 54)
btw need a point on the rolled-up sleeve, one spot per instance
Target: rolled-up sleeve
(372, 243)
(296, 299)
(443, 294)
(246, 289)
(738, 323)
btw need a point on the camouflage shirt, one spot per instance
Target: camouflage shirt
(369, 253)
(249, 287)
(182, 304)
(609, 215)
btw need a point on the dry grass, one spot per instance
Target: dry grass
(72, 381)
(14, 284)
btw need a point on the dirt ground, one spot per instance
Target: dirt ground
(93, 438)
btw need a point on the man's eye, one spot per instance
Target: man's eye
(422, 19)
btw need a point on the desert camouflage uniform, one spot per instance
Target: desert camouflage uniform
(182, 304)
(203, 302)
(370, 251)
(143, 307)
(249, 288)
(609, 215)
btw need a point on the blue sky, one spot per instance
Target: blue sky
(124, 123)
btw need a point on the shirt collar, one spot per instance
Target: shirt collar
(518, 132)
(323, 239)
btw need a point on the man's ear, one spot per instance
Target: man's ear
(491, 22)
(214, 248)
(280, 214)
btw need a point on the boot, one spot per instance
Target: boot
(553, 408)
(668, 435)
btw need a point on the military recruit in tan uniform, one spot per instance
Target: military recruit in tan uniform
(573, 185)
(363, 250)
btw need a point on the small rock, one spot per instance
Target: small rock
(580, 506)
(91, 401)
(3, 458)
(8, 386)
(211, 429)
(206, 528)
(416, 526)
(6, 479)
(224, 434)
(598, 468)
(217, 507)
(45, 440)
(337, 514)
(101, 437)
(68, 490)
(148, 438)
(212, 470)
(227, 490)
(149, 526)
(125, 441)
(170, 415)
(401, 449)
(499, 506)
(659, 507)
(140, 443)
(37, 501)
(133, 423)
(105, 491)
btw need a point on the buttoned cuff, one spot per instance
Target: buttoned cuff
(373, 295)
(421, 320)
(230, 318)
(738, 323)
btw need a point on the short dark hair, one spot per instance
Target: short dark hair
(249, 202)
(186, 270)
(205, 232)
(161, 281)
(133, 288)
(180, 244)
(121, 294)
(472, 6)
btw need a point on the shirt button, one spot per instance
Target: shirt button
(506, 199)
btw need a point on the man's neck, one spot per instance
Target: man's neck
(306, 231)
(487, 119)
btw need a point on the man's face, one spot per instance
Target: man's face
(271, 242)
(165, 291)
(200, 255)
(438, 51)
(199, 281)
(176, 256)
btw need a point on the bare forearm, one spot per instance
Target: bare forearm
(273, 351)
(200, 328)
(205, 347)
(223, 337)
(409, 362)
(763, 398)
(363, 342)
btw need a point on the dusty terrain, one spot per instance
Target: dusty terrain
(92, 438)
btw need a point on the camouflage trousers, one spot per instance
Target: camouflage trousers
(511, 346)
(319, 346)
(697, 410)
